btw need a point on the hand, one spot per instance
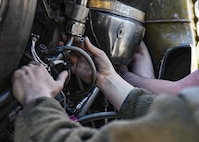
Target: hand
(141, 63)
(107, 78)
(33, 81)
(121, 69)
(103, 64)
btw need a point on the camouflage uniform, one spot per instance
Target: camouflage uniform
(148, 118)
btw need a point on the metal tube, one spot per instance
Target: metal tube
(89, 102)
(84, 2)
(70, 40)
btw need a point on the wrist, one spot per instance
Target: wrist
(103, 80)
(31, 97)
(115, 89)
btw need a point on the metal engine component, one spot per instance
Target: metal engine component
(3, 8)
(119, 38)
(170, 25)
(117, 28)
(13, 37)
(123, 28)
(77, 18)
(16, 18)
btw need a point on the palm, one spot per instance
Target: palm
(82, 68)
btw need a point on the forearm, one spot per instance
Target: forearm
(115, 93)
(44, 120)
(155, 86)
(158, 86)
(190, 80)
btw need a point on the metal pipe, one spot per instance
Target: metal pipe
(84, 2)
(89, 102)
(70, 40)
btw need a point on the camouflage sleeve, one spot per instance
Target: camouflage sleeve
(44, 120)
(136, 104)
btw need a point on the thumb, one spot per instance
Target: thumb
(62, 78)
(91, 48)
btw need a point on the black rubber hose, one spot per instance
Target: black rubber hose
(98, 116)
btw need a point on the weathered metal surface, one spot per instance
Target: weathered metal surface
(169, 24)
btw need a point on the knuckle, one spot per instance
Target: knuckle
(101, 53)
(25, 68)
(18, 73)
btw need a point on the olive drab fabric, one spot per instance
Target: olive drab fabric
(164, 118)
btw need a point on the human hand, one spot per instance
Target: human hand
(33, 81)
(103, 64)
(141, 63)
(121, 69)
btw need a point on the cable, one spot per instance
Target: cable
(98, 116)
(34, 54)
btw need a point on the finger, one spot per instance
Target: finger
(91, 48)
(62, 78)
(26, 69)
(18, 74)
(61, 43)
(34, 63)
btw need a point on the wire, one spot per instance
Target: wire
(64, 99)
(34, 54)
(98, 116)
